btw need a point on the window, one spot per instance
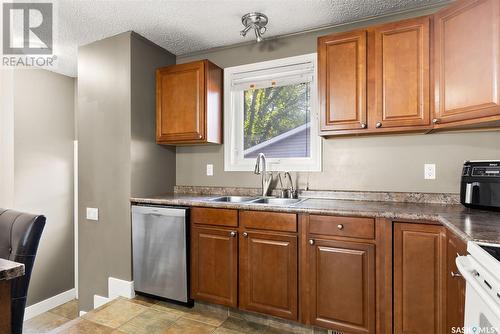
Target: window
(271, 107)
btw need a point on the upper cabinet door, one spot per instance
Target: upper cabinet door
(467, 62)
(342, 81)
(188, 103)
(181, 102)
(401, 73)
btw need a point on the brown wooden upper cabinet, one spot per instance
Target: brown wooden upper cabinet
(401, 75)
(342, 81)
(467, 63)
(379, 79)
(376, 80)
(189, 104)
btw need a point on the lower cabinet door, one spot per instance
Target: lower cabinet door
(214, 265)
(455, 285)
(419, 278)
(268, 274)
(342, 285)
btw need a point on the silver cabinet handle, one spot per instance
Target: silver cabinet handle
(455, 274)
(340, 226)
(311, 242)
(363, 125)
(245, 234)
(233, 234)
(378, 125)
(435, 121)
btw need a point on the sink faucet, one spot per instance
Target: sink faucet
(292, 193)
(260, 168)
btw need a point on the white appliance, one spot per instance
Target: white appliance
(481, 271)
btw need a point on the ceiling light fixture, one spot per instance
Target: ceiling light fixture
(255, 21)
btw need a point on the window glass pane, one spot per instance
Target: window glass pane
(277, 121)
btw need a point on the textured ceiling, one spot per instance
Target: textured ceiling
(192, 25)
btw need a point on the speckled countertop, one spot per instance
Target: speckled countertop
(469, 224)
(10, 270)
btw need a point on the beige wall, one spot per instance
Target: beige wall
(374, 163)
(41, 172)
(117, 154)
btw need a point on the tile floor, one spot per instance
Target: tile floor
(143, 315)
(54, 318)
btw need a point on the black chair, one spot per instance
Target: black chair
(19, 237)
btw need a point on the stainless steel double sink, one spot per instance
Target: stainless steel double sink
(258, 200)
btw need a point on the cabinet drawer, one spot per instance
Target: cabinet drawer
(275, 221)
(210, 216)
(353, 227)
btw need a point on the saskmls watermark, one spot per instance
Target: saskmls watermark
(475, 330)
(28, 34)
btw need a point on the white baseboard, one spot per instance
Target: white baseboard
(49, 304)
(100, 300)
(116, 288)
(120, 288)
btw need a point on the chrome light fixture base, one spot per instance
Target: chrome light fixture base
(257, 22)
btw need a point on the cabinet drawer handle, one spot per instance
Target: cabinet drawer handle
(340, 226)
(455, 274)
(245, 234)
(435, 121)
(233, 234)
(311, 242)
(378, 125)
(363, 125)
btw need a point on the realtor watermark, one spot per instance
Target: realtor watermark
(475, 330)
(28, 34)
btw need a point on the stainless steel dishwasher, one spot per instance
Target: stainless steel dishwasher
(160, 252)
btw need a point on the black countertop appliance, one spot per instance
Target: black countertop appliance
(480, 186)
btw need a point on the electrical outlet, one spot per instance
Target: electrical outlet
(93, 214)
(430, 171)
(210, 170)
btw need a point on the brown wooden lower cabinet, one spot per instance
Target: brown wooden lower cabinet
(455, 285)
(257, 269)
(419, 278)
(268, 274)
(342, 285)
(214, 265)
(5, 307)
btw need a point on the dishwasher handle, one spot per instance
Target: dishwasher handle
(159, 211)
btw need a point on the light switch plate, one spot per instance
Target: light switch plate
(210, 170)
(430, 171)
(93, 214)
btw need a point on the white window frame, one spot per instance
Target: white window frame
(233, 122)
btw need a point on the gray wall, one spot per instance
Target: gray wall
(116, 89)
(153, 166)
(103, 165)
(43, 173)
(374, 163)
